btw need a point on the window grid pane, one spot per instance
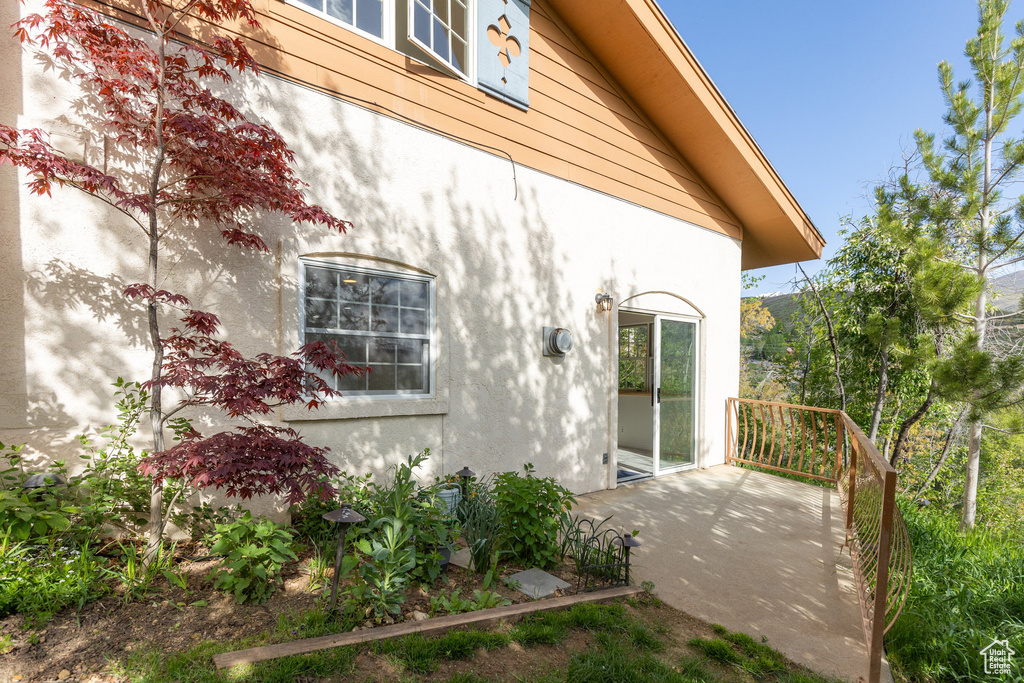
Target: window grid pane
(377, 321)
(442, 26)
(365, 15)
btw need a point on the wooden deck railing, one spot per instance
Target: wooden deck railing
(826, 445)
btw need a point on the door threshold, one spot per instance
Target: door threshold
(633, 477)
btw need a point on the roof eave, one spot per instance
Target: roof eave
(638, 45)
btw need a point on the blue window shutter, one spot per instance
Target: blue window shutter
(503, 50)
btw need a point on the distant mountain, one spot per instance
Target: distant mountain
(1006, 291)
(782, 306)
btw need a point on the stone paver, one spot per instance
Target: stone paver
(751, 551)
(461, 558)
(537, 583)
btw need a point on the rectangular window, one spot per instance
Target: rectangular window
(435, 32)
(634, 354)
(365, 15)
(379, 319)
(441, 28)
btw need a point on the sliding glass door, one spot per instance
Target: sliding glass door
(675, 394)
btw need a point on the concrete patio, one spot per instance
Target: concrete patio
(751, 551)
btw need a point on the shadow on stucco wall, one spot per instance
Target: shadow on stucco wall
(502, 276)
(68, 330)
(504, 272)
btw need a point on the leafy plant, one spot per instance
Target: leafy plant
(255, 552)
(455, 604)
(138, 576)
(308, 521)
(391, 557)
(31, 513)
(401, 497)
(39, 580)
(201, 520)
(531, 508)
(482, 526)
(111, 492)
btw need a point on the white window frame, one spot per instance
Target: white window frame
(401, 395)
(389, 39)
(470, 45)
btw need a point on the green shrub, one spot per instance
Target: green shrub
(967, 590)
(390, 559)
(531, 510)
(455, 604)
(110, 491)
(401, 497)
(255, 551)
(108, 495)
(201, 520)
(40, 580)
(307, 516)
(31, 514)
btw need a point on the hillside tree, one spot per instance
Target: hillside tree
(974, 226)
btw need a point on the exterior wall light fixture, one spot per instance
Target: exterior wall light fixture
(604, 302)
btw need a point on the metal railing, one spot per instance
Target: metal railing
(783, 437)
(826, 445)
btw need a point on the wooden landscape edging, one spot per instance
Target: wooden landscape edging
(484, 617)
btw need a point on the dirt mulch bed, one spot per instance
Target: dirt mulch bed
(85, 643)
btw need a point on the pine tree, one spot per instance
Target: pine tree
(974, 228)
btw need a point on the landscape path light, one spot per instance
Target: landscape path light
(344, 517)
(629, 541)
(464, 475)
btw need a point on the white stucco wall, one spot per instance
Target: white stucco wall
(509, 257)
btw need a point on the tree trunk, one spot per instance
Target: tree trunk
(980, 325)
(901, 438)
(803, 374)
(156, 494)
(831, 339)
(946, 448)
(883, 384)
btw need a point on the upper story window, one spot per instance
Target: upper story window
(483, 42)
(441, 27)
(366, 15)
(379, 319)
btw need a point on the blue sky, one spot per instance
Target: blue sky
(831, 91)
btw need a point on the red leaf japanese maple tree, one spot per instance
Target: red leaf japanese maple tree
(195, 163)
